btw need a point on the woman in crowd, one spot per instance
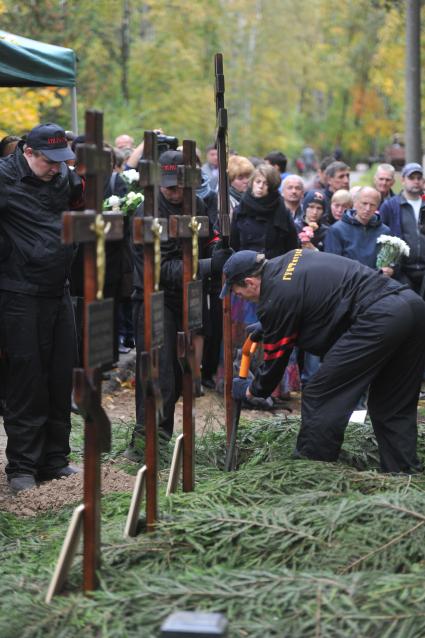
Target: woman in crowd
(341, 201)
(239, 170)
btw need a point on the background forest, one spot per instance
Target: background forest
(298, 72)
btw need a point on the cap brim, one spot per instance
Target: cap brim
(58, 154)
(169, 180)
(414, 171)
(225, 290)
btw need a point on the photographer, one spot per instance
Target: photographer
(170, 203)
(165, 143)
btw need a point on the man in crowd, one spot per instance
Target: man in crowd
(210, 168)
(355, 235)
(279, 161)
(37, 329)
(384, 180)
(337, 177)
(367, 328)
(405, 215)
(170, 203)
(124, 141)
(293, 193)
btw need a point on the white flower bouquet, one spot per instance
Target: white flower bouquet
(126, 205)
(391, 252)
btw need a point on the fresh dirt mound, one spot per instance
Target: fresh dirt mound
(53, 495)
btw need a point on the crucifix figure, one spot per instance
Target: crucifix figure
(93, 229)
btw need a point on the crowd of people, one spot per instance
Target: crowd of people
(288, 222)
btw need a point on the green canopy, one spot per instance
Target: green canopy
(25, 62)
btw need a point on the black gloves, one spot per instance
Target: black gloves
(239, 388)
(218, 259)
(255, 331)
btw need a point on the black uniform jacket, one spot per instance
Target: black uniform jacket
(33, 259)
(310, 299)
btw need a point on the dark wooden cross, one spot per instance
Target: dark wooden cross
(149, 231)
(224, 226)
(189, 227)
(92, 228)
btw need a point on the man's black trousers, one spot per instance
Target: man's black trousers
(170, 377)
(38, 340)
(384, 349)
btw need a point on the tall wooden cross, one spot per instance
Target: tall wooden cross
(189, 227)
(149, 231)
(224, 226)
(92, 228)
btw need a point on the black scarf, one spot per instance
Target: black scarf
(235, 193)
(260, 206)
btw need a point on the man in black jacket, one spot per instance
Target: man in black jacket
(37, 325)
(170, 203)
(369, 331)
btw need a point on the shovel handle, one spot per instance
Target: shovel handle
(248, 349)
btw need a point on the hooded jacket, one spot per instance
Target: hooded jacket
(349, 238)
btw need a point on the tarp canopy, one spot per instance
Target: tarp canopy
(25, 62)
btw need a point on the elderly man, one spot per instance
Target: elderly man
(355, 235)
(367, 328)
(293, 193)
(124, 141)
(383, 180)
(405, 215)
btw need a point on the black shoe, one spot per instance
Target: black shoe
(63, 472)
(22, 483)
(128, 342)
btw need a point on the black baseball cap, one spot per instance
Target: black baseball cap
(169, 160)
(50, 139)
(240, 265)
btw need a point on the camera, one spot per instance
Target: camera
(166, 143)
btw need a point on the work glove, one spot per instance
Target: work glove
(239, 388)
(255, 331)
(218, 259)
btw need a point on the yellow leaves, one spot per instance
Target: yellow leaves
(20, 108)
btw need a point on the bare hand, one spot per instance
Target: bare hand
(387, 271)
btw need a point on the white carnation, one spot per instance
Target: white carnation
(114, 201)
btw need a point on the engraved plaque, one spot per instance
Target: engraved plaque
(157, 318)
(194, 289)
(100, 316)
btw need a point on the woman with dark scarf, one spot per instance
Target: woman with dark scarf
(261, 221)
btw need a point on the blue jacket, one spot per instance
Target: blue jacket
(354, 240)
(398, 214)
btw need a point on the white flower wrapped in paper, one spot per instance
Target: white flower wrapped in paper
(391, 252)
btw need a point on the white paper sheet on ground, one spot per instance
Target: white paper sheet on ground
(358, 416)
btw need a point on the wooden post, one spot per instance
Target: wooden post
(93, 228)
(149, 230)
(224, 225)
(188, 227)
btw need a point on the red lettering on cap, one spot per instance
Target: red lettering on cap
(56, 140)
(169, 167)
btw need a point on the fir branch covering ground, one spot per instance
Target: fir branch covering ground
(281, 547)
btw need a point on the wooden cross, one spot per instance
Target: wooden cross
(92, 228)
(188, 227)
(224, 225)
(149, 231)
